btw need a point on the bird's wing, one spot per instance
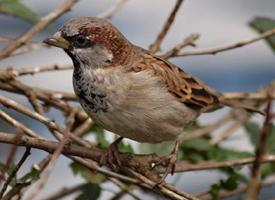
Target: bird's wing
(185, 87)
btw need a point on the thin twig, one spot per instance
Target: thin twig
(230, 193)
(63, 192)
(30, 46)
(42, 181)
(215, 50)
(188, 41)
(53, 126)
(208, 129)
(254, 184)
(47, 171)
(125, 189)
(13, 173)
(163, 188)
(156, 44)
(39, 26)
(231, 129)
(13, 73)
(111, 11)
(17, 124)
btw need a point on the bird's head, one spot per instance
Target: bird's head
(91, 42)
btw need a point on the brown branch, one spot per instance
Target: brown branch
(208, 129)
(50, 98)
(21, 127)
(13, 173)
(29, 46)
(9, 159)
(156, 45)
(188, 41)
(215, 50)
(163, 188)
(125, 189)
(130, 160)
(47, 171)
(63, 192)
(127, 160)
(50, 164)
(46, 121)
(239, 121)
(230, 193)
(254, 184)
(39, 26)
(111, 11)
(13, 73)
(15, 191)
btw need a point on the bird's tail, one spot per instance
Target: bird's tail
(237, 104)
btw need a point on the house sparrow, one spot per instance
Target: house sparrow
(129, 91)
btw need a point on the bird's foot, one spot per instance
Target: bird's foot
(111, 157)
(170, 162)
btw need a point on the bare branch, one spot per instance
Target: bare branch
(188, 41)
(42, 181)
(63, 192)
(254, 184)
(39, 26)
(111, 11)
(18, 125)
(127, 159)
(13, 73)
(13, 174)
(156, 45)
(215, 50)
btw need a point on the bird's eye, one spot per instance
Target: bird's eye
(81, 41)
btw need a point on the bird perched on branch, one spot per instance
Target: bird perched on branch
(129, 91)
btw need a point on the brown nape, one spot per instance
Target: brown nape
(109, 37)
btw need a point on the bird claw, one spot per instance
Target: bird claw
(111, 157)
(170, 162)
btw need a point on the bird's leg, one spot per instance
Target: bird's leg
(170, 161)
(111, 156)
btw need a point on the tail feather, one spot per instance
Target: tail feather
(238, 104)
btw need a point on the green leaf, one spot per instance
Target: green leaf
(89, 191)
(253, 130)
(234, 178)
(86, 173)
(214, 191)
(102, 142)
(160, 149)
(125, 147)
(220, 154)
(263, 24)
(267, 169)
(32, 176)
(199, 144)
(17, 9)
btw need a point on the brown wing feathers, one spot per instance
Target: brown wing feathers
(182, 85)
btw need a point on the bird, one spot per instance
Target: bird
(129, 91)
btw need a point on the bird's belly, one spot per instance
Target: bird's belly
(142, 109)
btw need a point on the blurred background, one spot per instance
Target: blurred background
(219, 22)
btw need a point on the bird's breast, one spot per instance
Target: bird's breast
(136, 105)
